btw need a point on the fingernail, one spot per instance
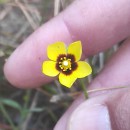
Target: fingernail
(87, 117)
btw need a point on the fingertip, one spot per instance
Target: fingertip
(24, 67)
(18, 73)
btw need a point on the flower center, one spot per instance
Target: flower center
(65, 64)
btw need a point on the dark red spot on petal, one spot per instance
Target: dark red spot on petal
(72, 57)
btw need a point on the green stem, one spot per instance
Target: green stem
(53, 116)
(7, 116)
(84, 89)
(25, 106)
(27, 99)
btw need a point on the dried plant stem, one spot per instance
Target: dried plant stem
(58, 4)
(56, 7)
(103, 89)
(101, 60)
(60, 97)
(27, 15)
(4, 12)
(29, 116)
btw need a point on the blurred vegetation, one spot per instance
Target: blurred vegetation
(33, 109)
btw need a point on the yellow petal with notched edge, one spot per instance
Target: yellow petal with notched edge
(67, 80)
(54, 50)
(75, 49)
(83, 69)
(49, 68)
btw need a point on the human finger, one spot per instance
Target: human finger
(108, 111)
(115, 73)
(98, 24)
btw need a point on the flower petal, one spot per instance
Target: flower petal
(49, 68)
(83, 69)
(75, 49)
(67, 80)
(54, 50)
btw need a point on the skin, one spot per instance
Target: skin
(99, 24)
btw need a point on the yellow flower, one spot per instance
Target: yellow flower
(65, 62)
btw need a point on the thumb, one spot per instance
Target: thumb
(109, 111)
(105, 112)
